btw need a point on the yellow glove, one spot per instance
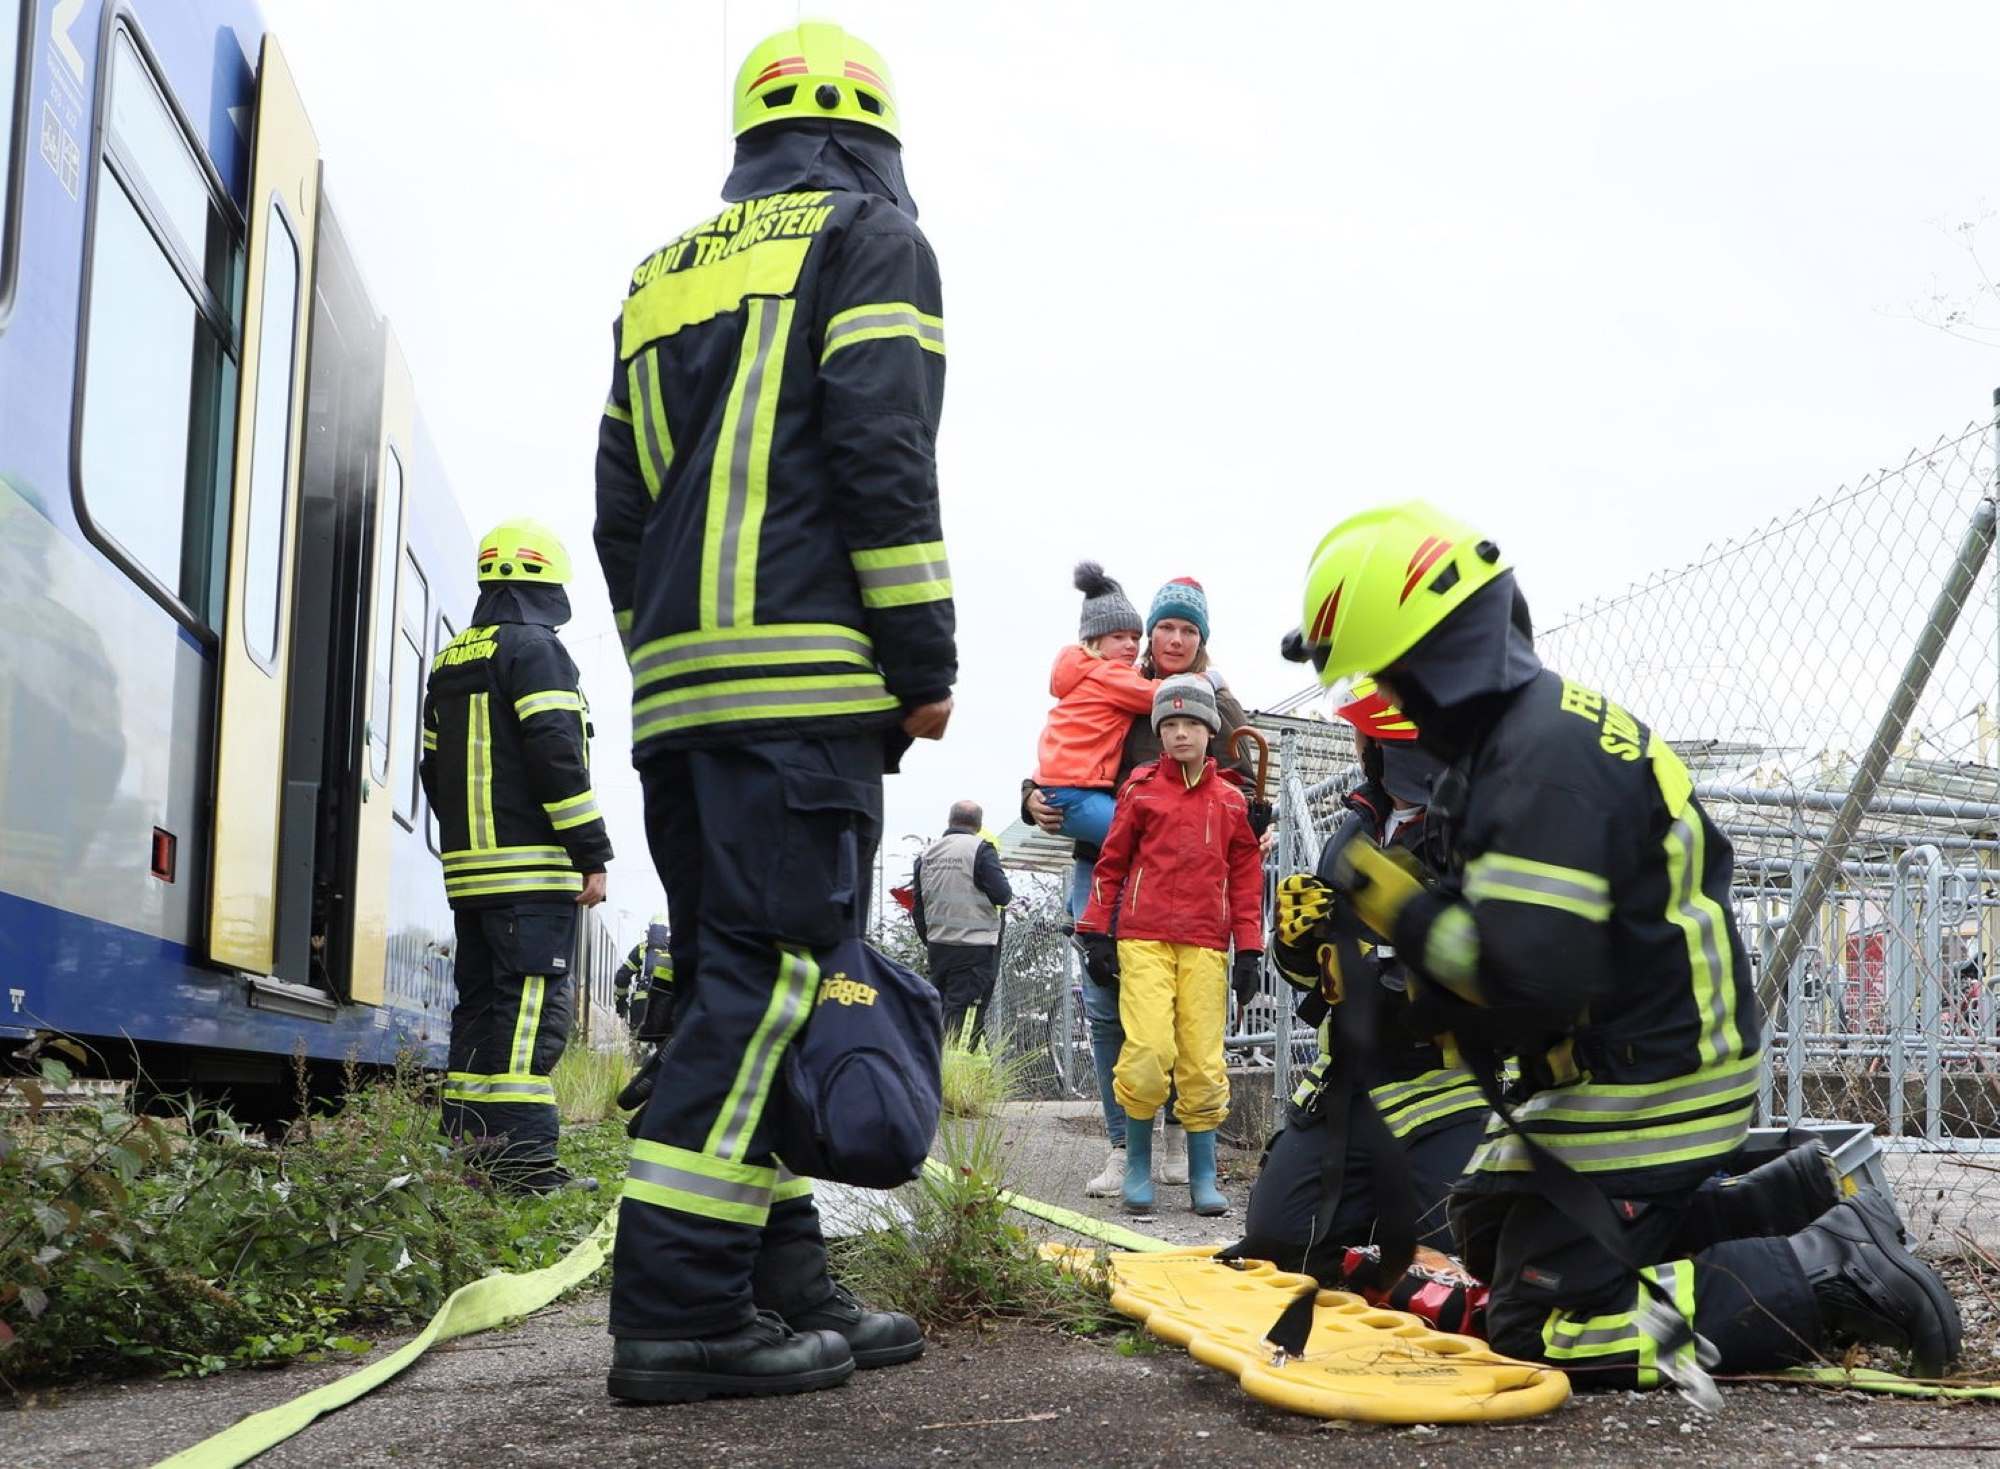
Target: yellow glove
(1304, 902)
(1378, 885)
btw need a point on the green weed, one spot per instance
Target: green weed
(132, 1244)
(975, 1081)
(959, 1257)
(588, 1082)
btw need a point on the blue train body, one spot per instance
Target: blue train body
(117, 922)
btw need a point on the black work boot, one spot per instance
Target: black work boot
(877, 1338)
(1772, 1201)
(760, 1360)
(1869, 1288)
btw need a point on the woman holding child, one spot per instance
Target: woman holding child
(1103, 709)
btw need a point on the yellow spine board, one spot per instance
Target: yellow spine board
(1361, 1362)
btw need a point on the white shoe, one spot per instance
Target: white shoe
(1111, 1182)
(1170, 1162)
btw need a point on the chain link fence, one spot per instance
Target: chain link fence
(1831, 680)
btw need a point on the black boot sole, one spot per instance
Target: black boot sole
(697, 1387)
(1927, 1358)
(889, 1356)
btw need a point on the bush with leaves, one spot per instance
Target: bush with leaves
(135, 1243)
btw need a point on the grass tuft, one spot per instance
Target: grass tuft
(975, 1081)
(588, 1082)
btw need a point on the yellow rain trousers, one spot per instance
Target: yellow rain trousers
(1173, 1003)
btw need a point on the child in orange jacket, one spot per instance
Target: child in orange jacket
(1180, 877)
(1097, 691)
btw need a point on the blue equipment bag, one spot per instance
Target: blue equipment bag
(862, 1083)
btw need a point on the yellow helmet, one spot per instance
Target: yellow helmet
(1383, 579)
(815, 69)
(525, 551)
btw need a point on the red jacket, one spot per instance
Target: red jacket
(1181, 864)
(1085, 735)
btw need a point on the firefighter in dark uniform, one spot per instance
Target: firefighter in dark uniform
(506, 765)
(767, 520)
(1430, 1104)
(1588, 936)
(645, 979)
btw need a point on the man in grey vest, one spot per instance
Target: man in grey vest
(960, 892)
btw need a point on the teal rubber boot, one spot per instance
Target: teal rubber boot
(1139, 1165)
(1207, 1197)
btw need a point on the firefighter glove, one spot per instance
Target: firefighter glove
(1261, 816)
(1304, 902)
(1377, 884)
(1100, 957)
(1243, 976)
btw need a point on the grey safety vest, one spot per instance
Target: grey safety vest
(955, 911)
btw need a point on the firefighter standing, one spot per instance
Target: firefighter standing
(506, 765)
(769, 531)
(1591, 938)
(645, 980)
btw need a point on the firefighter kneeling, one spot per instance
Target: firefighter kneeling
(1586, 935)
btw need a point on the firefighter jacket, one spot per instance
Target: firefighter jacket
(1418, 1087)
(636, 981)
(1180, 865)
(767, 501)
(507, 760)
(1592, 920)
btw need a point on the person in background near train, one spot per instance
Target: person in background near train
(644, 981)
(1586, 934)
(768, 524)
(960, 895)
(506, 765)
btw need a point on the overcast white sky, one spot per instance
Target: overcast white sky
(1609, 281)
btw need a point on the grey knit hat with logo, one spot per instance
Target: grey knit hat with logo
(1187, 696)
(1105, 605)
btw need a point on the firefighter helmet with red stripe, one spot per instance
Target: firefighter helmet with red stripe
(1382, 580)
(815, 69)
(1371, 714)
(523, 550)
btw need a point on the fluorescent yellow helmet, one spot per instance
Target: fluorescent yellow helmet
(1383, 579)
(524, 551)
(815, 69)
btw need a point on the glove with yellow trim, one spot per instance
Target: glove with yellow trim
(1304, 902)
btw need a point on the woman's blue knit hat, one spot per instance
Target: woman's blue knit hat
(1182, 597)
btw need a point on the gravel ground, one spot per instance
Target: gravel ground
(534, 1395)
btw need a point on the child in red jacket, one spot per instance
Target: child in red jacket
(1097, 691)
(1179, 877)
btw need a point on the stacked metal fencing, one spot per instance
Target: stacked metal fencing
(1832, 681)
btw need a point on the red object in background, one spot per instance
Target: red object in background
(906, 896)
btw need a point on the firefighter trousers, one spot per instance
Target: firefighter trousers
(508, 1030)
(1559, 1297)
(764, 850)
(1284, 1201)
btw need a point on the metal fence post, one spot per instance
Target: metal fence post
(1288, 861)
(1972, 552)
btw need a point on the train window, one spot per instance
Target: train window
(270, 446)
(159, 391)
(409, 685)
(388, 546)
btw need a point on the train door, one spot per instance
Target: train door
(256, 642)
(374, 779)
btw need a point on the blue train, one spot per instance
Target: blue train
(228, 553)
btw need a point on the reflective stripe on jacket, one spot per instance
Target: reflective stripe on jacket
(1594, 893)
(506, 765)
(767, 504)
